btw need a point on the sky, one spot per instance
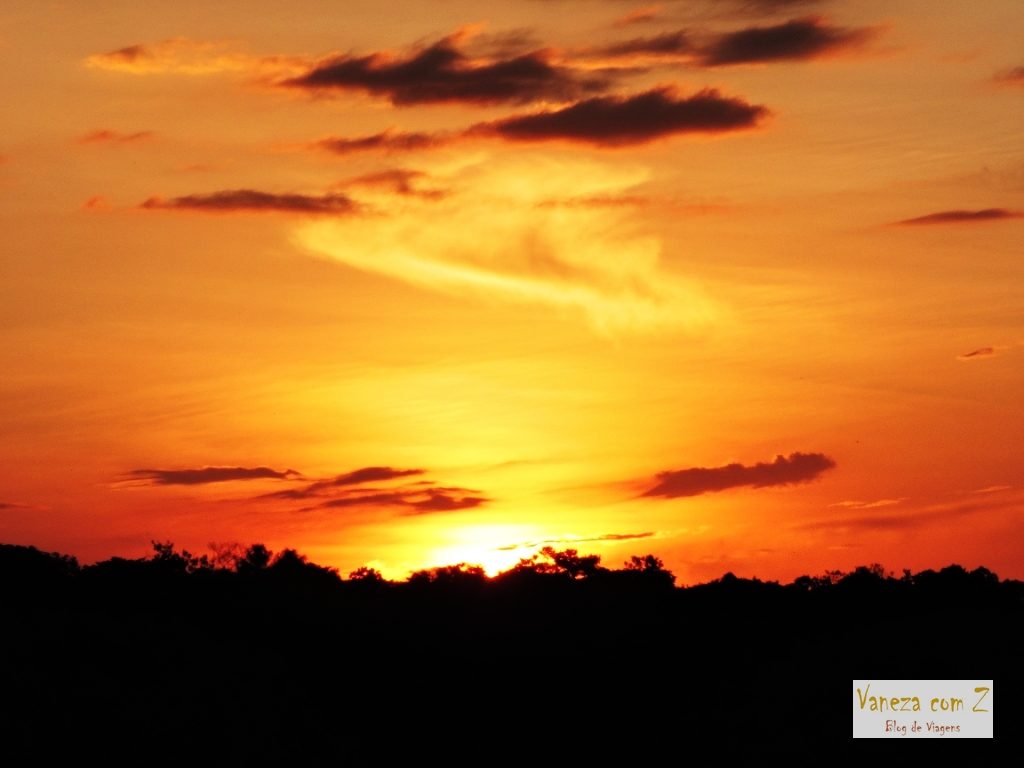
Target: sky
(406, 284)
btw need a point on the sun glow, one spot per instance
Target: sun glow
(483, 545)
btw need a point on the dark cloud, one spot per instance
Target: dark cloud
(1014, 76)
(797, 39)
(385, 141)
(443, 73)
(106, 136)
(976, 354)
(963, 217)
(12, 505)
(236, 200)
(618, 121)
(785, 470)
(210, 475)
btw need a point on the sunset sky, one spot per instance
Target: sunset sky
(403, 284)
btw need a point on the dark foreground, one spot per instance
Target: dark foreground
(256, 658)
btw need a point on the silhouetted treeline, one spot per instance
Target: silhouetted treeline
(246, 654)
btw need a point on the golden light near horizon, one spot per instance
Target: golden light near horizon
(735, 283)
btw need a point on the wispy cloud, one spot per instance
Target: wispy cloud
(577, 540)
(785, 470)
(492, 236)
(921, 517)
(869, 504)
(183, 56)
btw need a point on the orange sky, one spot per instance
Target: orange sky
(412, 283)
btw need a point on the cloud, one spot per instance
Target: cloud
(97, 203)
(344, 481)
(798, 39)
(106, 136)
(385, 141)
(236, 200)
(350, 490)
(210, 475)
(923, 517)
(993, 489)
(962, 217)
(13, 505)
(1012, 77)
(643, 15)
(978, 354)
(182, 56)
(361, 476)
(492, 237)
(785, 470)
(399, 181)
(410, 501)
(667, 43)
(868, 504)
(577, 540)
(443, 73)
(618, 121)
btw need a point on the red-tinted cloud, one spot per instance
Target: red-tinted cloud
(639, 16)
(807, 38)
(240, 200)
(963, 217)
(785, 470)
(106, 136)
(618, 121)
(666, 43)
(1013, 77)
(443, 73)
